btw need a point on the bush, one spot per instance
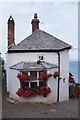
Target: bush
(71, 90)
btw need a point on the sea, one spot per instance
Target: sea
(74, 67)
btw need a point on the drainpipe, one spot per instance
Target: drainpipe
(58, 76)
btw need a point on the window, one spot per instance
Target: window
(41, 58)
(33, 84)
(25, 72)
(33, 75)
(41, 83)
(24, 84)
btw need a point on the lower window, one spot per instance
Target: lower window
(41, 83)
(24, 84)
(33, 84)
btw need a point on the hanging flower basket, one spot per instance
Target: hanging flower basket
(56, 74)
(23, 77)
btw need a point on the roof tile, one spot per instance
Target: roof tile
(40, 40)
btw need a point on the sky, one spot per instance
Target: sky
(57, 17)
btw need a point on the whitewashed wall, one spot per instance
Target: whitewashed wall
(14, 58)
(64, 73)
(13, 82)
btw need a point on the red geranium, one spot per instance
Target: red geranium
(56, 74)
(20, 92)
(50, 75)
(23, 77)
(71, 79)
(25, 92)
(44, 70)
(44, 76)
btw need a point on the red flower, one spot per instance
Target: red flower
(57, 73)
(44, 76)
(50, 75)
(26, 92)
(71, 79)
(20, 92)
(43, 70)
(23, 77)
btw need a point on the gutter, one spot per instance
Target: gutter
(36, 50)
(58, 76)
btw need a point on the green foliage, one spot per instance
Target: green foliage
(71, 91)
(2, 64)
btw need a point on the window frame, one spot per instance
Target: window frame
(36, 80)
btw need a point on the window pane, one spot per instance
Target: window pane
(25, 72)
(41, 83)
(33, 75)
(40, 57)
(33, 84)
(24, 84)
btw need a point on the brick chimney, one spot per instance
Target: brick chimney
(11, 40)
(35, 23)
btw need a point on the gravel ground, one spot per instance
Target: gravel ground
(66, 109)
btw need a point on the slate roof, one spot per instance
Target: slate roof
(32, 66)
(40, 40)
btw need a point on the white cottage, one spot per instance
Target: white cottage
(38, 66)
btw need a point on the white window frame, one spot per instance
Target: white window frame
(33, 80)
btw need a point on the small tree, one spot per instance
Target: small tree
(3, 64)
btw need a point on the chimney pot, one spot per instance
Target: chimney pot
(35, 23)
(11, 40)
(35, 15)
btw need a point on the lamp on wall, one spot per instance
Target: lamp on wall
(38, 62)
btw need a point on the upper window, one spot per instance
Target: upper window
(41, 58)
(25, 72)
(33, 75)
(33, 82)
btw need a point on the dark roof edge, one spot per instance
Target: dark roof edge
(52, 50)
